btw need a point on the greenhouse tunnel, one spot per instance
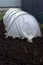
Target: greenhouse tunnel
(20, 51)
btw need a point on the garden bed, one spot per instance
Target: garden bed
(19, 51)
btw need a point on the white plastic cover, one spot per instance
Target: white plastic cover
(8, 13)
(22, 25)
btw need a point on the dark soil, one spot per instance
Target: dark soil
(20, 52)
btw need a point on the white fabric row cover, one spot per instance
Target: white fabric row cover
(21, 24)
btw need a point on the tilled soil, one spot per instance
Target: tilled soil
(19, 51)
